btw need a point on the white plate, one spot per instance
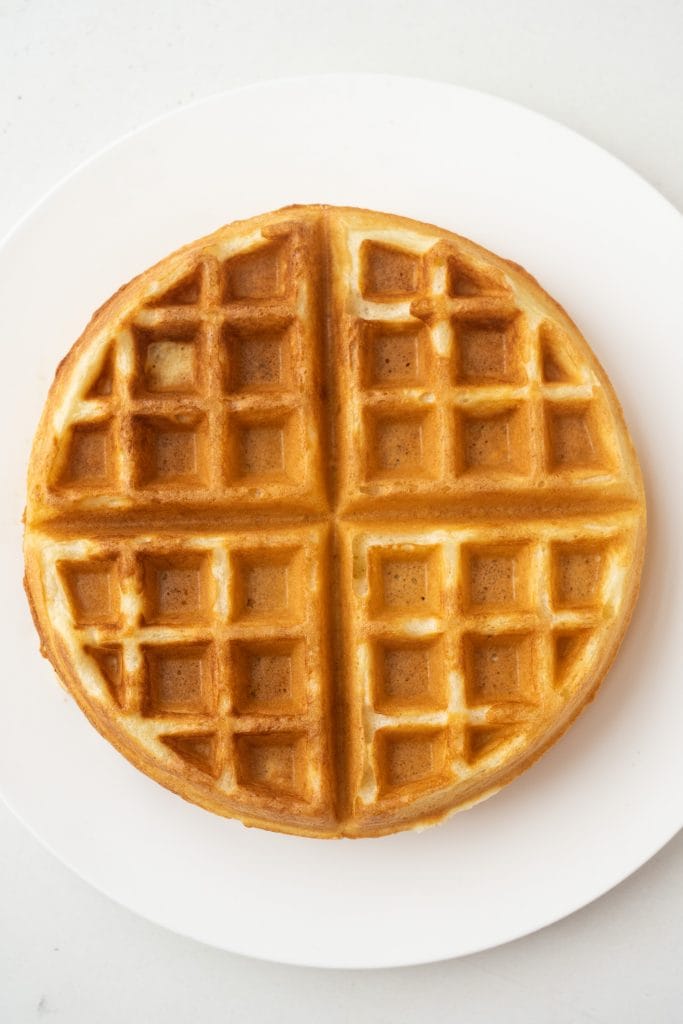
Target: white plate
(610, 249)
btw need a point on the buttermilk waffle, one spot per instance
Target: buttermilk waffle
(334, 523)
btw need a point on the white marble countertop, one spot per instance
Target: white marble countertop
(75, 76)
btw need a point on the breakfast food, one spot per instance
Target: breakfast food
(334, 523)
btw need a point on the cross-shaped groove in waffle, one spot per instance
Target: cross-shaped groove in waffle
(344, 509)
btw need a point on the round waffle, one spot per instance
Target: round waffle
(334, 523)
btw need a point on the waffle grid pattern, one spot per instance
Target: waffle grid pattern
(464, 634)
(461, 634)
(454, 389)
(214, 645)
(207, 392)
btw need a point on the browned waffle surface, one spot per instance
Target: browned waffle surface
(334, 523)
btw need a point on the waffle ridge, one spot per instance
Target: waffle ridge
(334, 523)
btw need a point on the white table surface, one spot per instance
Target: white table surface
(76, 75)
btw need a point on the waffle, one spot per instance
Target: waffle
(334, 523)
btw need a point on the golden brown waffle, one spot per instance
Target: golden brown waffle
(334, 523)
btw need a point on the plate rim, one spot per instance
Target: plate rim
(280, 80)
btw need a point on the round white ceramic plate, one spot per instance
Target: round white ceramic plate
(602, 241)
